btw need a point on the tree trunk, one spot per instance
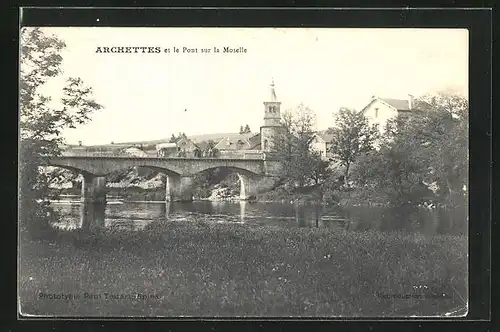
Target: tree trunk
(346, 175)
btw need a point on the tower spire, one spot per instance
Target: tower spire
(272, 120)
(273, 92)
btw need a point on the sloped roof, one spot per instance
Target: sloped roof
(254, 141)
(236, 142)
(399, 104)
(325, 136)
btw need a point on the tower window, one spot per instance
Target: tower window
(376, 112)
(265, 144)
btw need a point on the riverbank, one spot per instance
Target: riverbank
(207, 270)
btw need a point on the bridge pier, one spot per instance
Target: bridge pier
(250, 186)
(93, 189)
(178, 188)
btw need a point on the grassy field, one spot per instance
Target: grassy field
(233, 270)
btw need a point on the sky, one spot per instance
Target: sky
(150, 96)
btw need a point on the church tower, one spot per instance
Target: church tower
(272, 120)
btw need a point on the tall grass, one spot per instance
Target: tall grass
(231, 270)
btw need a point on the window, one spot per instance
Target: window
(376, 112)
(265, 144)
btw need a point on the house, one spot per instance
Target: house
(186, 145)
(238, 142)
(380, 110)
(166, 149)
(182, 147)
(321, 143)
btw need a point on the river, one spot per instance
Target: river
(137, 215)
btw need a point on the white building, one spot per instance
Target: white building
(380, 110)
(321, 143)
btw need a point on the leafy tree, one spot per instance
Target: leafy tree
(41, 124)
(392, 173)
(245, 129)
(352, 136)
(300, 164)
(447, 127)
(427, 147)
(173, 139)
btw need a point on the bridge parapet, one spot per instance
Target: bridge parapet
(100, 165)
(252, 156)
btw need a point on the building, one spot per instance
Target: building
(272, 121)
(166, 149)
(251, 145)
(380, 110)
(186, 147)
(321, 142)
(182, 147)
(238, 142)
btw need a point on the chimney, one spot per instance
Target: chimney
(410, 101)
(79, 143)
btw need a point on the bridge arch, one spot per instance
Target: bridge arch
(73, 169)
(235, 169)
(163, 170)
(245, 177)
(104, 166)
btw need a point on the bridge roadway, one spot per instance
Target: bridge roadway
(255, 174)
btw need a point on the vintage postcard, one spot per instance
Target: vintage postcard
(243, 172)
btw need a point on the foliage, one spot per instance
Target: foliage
(245, 129)
(418, 150)
(41, 123)
(301, 165)
(352, 136)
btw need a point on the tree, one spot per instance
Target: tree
(300, 165)
(173, 139)
(393, 173)
(41, 124)
(447, 129)
(427, 147)
(245, 129)
(352, 136)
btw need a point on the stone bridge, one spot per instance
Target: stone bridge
(254, 174)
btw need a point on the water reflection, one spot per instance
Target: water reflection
(136, 216)
(243, 205)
